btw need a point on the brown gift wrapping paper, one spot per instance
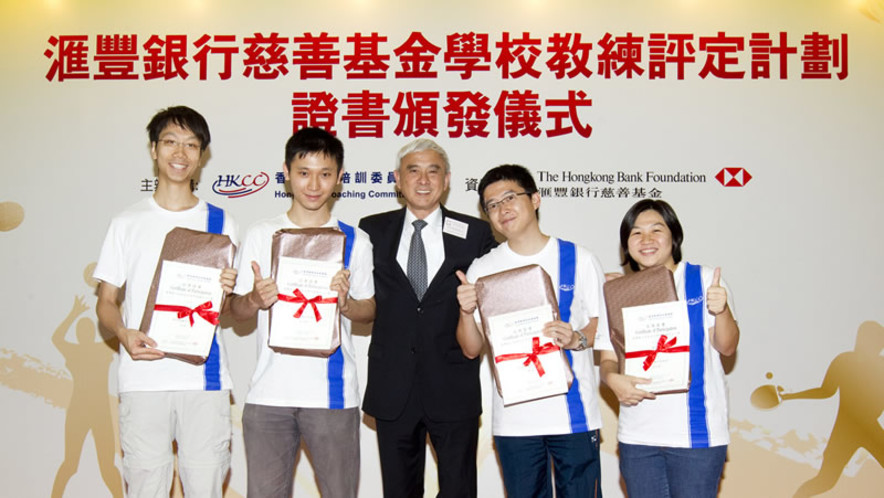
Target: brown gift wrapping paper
(650, 286)
(192, 247)
(514, 290)
(319, 244)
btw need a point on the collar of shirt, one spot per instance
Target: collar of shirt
(288, 223)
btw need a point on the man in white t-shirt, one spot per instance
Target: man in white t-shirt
(164, 399)
(563, 429)
(294, 396)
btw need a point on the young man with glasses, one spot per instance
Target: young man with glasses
(563, 429)
(164, 399)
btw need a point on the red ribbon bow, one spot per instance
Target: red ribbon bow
(663, 346)
(299, 297)
(204, 310)
(532, 357)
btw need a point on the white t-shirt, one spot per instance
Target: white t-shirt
(553, 415)
(303, 381)
(665, 421)
(129, 257)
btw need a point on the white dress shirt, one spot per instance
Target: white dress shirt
(432, 237)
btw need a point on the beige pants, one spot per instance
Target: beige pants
(198, 420)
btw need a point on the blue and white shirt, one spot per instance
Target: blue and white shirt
(698, 418)
(304, 381)
(578, 410)
(129, 257)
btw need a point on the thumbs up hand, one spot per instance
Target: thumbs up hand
(716, 295)
(264, 292)
(466, 294)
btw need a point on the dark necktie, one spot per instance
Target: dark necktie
(417, 260)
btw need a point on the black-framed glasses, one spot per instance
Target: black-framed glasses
(508, 198)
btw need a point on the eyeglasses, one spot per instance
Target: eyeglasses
(507, 199)
(168, 143)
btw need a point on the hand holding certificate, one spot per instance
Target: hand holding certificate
(657, 338)
(514, 306)
(306, 319)
(185, 298)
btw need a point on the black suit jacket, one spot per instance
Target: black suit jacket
(415, 342)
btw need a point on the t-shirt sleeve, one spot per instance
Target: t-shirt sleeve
(111, 266)
(231, 228)
(593, 280)
(249, 252)
(474, 272)
(591, 283)
(602, 333)
(362, 267)
(602, 329)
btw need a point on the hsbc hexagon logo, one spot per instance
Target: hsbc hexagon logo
(733, 177)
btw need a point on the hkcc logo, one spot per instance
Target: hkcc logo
(233, 186)
(733, 177)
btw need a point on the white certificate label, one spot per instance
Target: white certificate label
(304, 283)
(186, 309)
(515, 338)
(657, 340)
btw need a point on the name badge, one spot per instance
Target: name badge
(455, 227)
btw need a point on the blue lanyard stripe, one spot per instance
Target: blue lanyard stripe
(336, 360)
(336, 380)
(212, 367)
(567, 271)
(215, 222)
(697, 391)
(350, 236)
(212, 370)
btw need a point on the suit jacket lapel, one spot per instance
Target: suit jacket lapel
(452, 247)
(394, 234)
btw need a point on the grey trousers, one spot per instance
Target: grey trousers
(273, 435)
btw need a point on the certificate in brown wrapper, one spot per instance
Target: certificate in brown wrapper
(514, 305)
(635, 293)
(306, 320)
(185, 298)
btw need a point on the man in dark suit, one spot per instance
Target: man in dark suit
(419, 381)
